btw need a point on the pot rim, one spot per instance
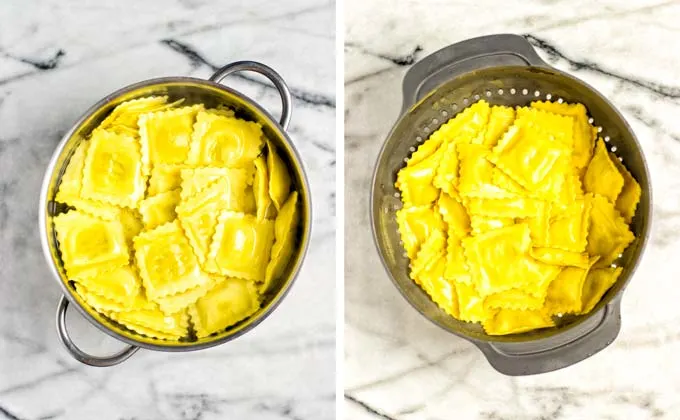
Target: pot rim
(43, 215)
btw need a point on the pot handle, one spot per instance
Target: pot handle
(80, 355)
(463, 57)
(557, 352)
(267, 72)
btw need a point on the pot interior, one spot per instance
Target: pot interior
(511, 86)
(193, 91)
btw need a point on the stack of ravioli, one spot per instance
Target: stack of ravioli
(179, 220)
(515, 217)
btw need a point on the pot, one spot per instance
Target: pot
(192, 90)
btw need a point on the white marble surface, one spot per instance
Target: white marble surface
(59, 57)
(400, 366)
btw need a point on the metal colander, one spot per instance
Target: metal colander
(210, 93)
(503, 70)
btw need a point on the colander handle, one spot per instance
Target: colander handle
(269, 73)
(556, 352)
(80, 355)
(463, 57)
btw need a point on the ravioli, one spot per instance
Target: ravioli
(164, 177)
(264, 205)
(112, 170)
(218, 140)
(90, 245)
(602, 176)
(285, 235)
(166, 135)
(513, 321)
(241, 246)
(159, 209)
(416, 224)
(225, 305)
(279, 179)
(166, 261)
(609, 235)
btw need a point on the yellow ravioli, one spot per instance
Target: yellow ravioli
(175, 325)
(609, 235)
(416, 181)
(224, 141)
(263, 202)
(178, 302)
(441, 291)
(106, 305)
(228, 192)
(417, 224)
(454, 214)
(432, 250)
(513, 299)
(231, 301)
(166, 136)
(524, 154)
(446, 174)
(569, 227)
(628, 200)
(159, 209)
(512, 321)
(112, 171)
(505, 207)
(471, 304)
(72, 179)
(510, 188)
(584, 140)
(126, 114)
(164, 178)
(241, 246)
(90, 245)
(554, 127)
(564, 293)
(120, 285)
(199, 228)
(493, 258)
(476, 173)
(221, 111)
(456, 264)
(602, 177)
(166, 262)
(285, 234)
(279, 178)
(596, 285)
(482, 224)
(132, 224)
(539, 225)
(195, 180)
(500, 119)
(555, 256)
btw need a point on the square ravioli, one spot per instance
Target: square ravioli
(224, 141)
(112, 171)
(602, 176)
(608, 235)
(159, 209)
(241, 246)
(231, 301)
(166, 136)
(629, 198)
(513, 321)
(195, 180)
(441, 291)
(416, 224)
(121, 285)
(166, 262)
(90, 245)
(164, 178)
(285, 234)
(476, 178)
(493, 258)
(416, 182)
(568, 228)
(525, 154)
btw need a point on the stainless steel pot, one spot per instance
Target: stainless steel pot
(503, 70)
(210, 93)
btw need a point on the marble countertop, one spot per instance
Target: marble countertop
(400, 366)
(57, 58)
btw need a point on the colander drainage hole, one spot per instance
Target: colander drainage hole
(513, 91)
(606, 139)
(537, 93)
(613, 148)
(548, 96)
(500, 91)
(525, 91)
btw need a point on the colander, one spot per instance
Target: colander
(192, 90)
(503, 70)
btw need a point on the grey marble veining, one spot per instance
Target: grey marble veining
(57, 58)
(400, 366)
